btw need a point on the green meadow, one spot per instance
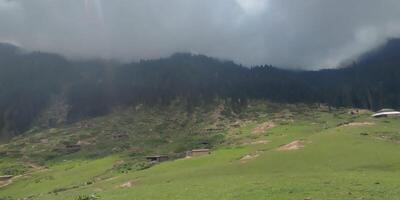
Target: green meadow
(264, 151)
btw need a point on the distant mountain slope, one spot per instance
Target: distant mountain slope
(267, 150)
(387, 53)
(30, 81)
(26, 83)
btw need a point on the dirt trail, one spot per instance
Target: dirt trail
(36, 168)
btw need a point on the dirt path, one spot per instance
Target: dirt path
(5, 183)
(36, 168)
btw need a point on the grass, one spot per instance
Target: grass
(338, 161)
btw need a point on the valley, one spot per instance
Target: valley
(262, 151)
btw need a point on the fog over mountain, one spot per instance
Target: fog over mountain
(296, 34)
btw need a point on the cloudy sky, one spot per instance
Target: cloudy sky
(289, 33)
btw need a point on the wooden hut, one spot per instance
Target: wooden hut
(157, 158)
(6, 177)
(386, 113)
(198, 152)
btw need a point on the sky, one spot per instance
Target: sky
(307, 34)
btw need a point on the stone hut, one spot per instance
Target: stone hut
(386, 113)
(6, 177)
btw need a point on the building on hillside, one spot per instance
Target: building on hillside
(6, 177)
(198, 152)
(386, 113)
(157, 158)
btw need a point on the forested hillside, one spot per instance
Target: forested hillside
(31, 83)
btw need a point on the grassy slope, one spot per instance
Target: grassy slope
(337, 162)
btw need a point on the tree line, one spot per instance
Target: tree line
(92, 88)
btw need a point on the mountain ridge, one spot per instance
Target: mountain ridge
(92, 88)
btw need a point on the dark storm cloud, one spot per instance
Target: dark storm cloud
(289, 33)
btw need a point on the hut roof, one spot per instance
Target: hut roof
(200, 150)
(157, 156)
(389, 113)
(386, 110)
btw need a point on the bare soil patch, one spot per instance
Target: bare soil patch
(217, 114)
(5, 183)
(248, 158)
(263, 127)
(128, 184)
(86, 142)
(256, 142)
(359, 124)
(295, 145)
(44, 141)
(108, 179)
(358, 111)
(260, 142)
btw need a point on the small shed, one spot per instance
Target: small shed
(386, 113)
(6, 177)
(157, 158)
(198, 152)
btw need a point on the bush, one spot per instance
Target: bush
(88, 197)
(133, 165)
(6, 198)
(14, 170)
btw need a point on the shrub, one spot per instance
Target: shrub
(88, 197)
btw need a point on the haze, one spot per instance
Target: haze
(294, 34)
